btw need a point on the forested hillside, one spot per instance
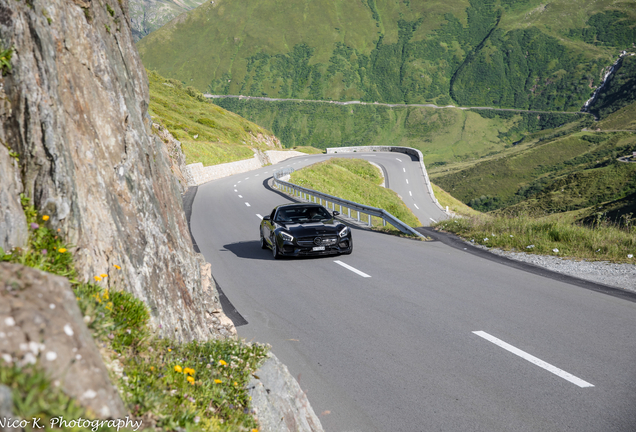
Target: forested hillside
(525, 54)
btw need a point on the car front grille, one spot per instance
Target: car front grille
(311, 241)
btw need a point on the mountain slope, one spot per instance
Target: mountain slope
(147, 16)
(524, 54)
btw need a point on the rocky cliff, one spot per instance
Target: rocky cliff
(147, 16)
(77, 139)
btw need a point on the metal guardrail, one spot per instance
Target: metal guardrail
(310, 195)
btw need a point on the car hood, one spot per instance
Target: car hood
(313, 228)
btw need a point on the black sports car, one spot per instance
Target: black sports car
(304, 229)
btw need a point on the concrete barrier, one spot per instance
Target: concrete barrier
(197, 174)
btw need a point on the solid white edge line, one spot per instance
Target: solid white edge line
(248, 204)
(433, 220)
(534, 360)
(259, 216)
(355, 270)
(399, 159)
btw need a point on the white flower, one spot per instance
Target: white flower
(51, 355)
(486, 239)
(511, 235)
(630, 256)
(529, 246)
(68, 330)
(555, 250)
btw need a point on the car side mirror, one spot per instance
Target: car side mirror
(336, 213)
(266, 217)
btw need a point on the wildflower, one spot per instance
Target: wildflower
(222, 362)
(152, 368)
(169, 349)
(59, 229)
(254, 430)
(486, 239)
(630, 256)
(117, 267)
(45, 217)
(217, 381)
(511, 235)
(529, 246)
(190, 380)
(188, 371)
(235, 383)
(97, 278)
(61, 250)
(555, 250)
(197, 419)
(34, 225)
(104, 275)
(177, 368)
(44, 251)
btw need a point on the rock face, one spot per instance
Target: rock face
(74, 111)
(40, 321)
(280, 404)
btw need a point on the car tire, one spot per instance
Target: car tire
(275, 250)
(263, 242)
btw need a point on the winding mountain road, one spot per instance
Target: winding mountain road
(420, 336)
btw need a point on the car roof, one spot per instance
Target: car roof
(299, 205)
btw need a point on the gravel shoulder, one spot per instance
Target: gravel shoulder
(615, 275)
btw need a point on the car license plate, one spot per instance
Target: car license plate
(318, 248)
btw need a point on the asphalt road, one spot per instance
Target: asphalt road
(436, 339)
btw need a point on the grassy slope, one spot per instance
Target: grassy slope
(354, 180)
(361, 50)
(443, 135)
(222, 136)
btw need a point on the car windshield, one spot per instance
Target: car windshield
(303, 214)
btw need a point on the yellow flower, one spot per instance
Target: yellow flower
(235, 383)
(177, 368)
(169, 349)
(105, 295)
(254, 430)
(152, 368)
(45, 217)
(217, 381)
(117, 267)
(222, 362)
(190, 380)
(188, 371)
(97, 278)
(61, 250)
(103, 275)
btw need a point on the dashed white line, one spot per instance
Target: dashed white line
(355, 270)
(235, 190)
(240, 196)
(410, 193)
(239, 181)
(416, 206)
(259, 216)
(434, 221)
(399, 159)
(247, 178)
(407, 181)
(403, 169)
(248, 204)
(234, 185)
(256, 175)
(534, 360)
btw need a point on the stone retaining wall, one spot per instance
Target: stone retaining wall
(198, 174)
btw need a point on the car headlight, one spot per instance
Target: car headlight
(286, 237)
(343, 232)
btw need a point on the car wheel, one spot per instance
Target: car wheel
(263, 242)
(275, 250)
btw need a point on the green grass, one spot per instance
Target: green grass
(354, 180)
(198, 386)
(208, 134)
(552, 235)
(503, 53)
(308, 149)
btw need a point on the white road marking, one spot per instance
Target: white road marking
(259, 216)
(407, 181)
(433, 220)
(239, 181)
(399, 159)
(234, 185)
(410, 193)
(256, 175)
(248, 204)
(348, 267)
(532, 359)
(240, 196)
(416, 206)
(247, 178)
(403, 169)
(266, 172)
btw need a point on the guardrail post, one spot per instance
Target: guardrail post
(369, 220)
(358, 216)
(348, 212)
(383, 222)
